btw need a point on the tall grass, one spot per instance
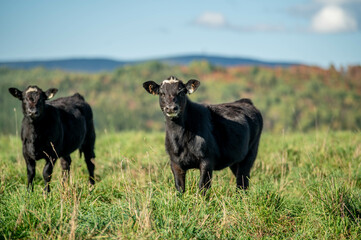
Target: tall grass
(302, 186)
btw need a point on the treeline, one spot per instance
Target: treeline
(298, 98)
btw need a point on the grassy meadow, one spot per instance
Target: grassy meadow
(303, 186)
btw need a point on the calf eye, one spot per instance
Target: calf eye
(181, 92)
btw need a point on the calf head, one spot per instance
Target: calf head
(33, 100)
(172, 94)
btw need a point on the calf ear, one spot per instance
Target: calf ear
(16, 93)
(51, 92)
(192, 85)
(151, 87)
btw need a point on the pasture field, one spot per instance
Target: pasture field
(303, 186)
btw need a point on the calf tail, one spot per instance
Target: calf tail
(79, 96)
(245, 100)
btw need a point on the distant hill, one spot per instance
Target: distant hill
(102, 64)
(78, 65)
(225, 61)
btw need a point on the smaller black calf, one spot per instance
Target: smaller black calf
(55, 129)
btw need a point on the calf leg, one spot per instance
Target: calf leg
(89, 156)
(244, 168)
(30, 167)
(205, 178)
(90, 164)
(243, 176)
(47, 173)
(88, 150)
(65, 164)
(179, 176)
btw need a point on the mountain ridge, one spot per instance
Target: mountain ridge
(108, 64)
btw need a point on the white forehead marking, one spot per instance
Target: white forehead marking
(31, 89)
(171, 80)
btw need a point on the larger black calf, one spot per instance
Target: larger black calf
(207, 137)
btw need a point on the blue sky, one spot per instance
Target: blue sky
(318, 32)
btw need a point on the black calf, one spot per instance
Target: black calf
(207, 137)
(53, 130)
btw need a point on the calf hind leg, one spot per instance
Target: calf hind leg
(243, 176)
(244, 168)
(239, 170)
(88, 149)
(205, 177)
(65, 164)
(90, 164)
(47, 173)
(89, 156)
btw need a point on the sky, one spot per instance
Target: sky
(315, 32)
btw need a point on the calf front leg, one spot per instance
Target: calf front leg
(179, 176)
(30, 167)
(206, 177)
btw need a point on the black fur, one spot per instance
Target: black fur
(55, 129)
(207, 137)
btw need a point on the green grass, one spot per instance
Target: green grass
(303, 186)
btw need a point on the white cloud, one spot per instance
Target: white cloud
(218, 20)
(333, 19)
(211, 19)
(323, 17)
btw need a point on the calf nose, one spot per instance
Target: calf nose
(32, 111)
(175, 109)
(171, 109)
